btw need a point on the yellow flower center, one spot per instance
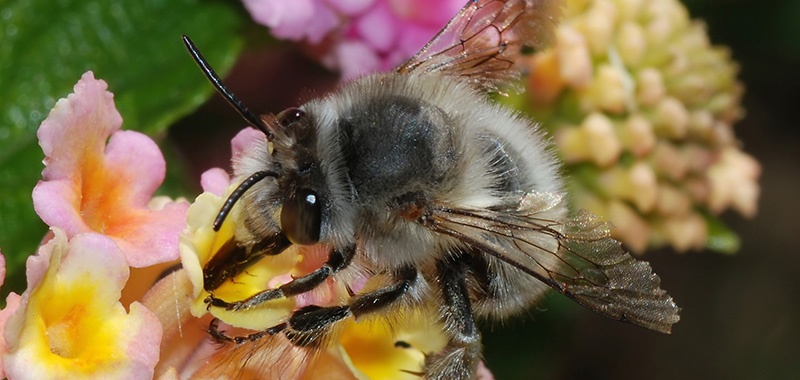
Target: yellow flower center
(101, 198)
(72, 326)
(63, 336)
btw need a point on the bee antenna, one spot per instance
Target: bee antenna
(217, 82)
(237, 193)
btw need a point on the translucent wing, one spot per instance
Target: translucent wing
(483, 41)
(576, 257)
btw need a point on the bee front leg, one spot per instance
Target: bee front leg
(310, 325)
(337, 260)
(459, 359)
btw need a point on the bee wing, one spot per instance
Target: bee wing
(483, 41)
(576, 257)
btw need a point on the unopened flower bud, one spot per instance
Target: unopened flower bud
(637, 184)
(649, 87)
(629, 225)
(575, 63)
(597, 25)
(671, 118)
(669, 162)
(631, 43)
(608, 91)
(637, 135)
(684, 233)
(733, 182)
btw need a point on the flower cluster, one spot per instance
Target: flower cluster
(356, 37)
(97, 197)
(641, 107)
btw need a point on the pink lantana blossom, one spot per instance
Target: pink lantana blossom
(92, 186)
(69, 322)
(12, 302)
(357, 37)
(2, 269)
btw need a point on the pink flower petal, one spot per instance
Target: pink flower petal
(325, 21)
(58, 204)
(378, 27)
(215, 181)
(431, 13)
(363, 36)
(413, 38)
(245, 140)
(89, 104)
(288, 19)
(135, 158)
(90, 186)
(12, 304)
(351, 7)
(355, 59)
(2, 268)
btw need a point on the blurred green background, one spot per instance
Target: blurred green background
(741, 313)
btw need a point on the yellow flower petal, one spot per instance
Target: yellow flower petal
(70, 323)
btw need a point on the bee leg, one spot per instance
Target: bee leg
(310, 325)
(221, 337)
(459, 359)
(232, 259)
(337, 260)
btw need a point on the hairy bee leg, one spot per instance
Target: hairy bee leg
(309, 326)
(337, 260)
(459, 359)
(218, 335)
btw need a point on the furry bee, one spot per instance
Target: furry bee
(416, 175)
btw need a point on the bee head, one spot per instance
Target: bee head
(297, 169)
(300, 181)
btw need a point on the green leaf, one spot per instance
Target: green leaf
(720, 238)
(135, 46)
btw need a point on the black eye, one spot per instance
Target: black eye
(301, 217)
(290, 116)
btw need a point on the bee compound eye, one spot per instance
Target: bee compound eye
(301, 217)
(290, 116)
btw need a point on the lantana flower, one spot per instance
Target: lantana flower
(69, 322)
(356, 37)
(73, 320)
(642, 109)
(98, 178)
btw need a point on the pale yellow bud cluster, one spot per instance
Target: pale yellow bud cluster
(641, 107)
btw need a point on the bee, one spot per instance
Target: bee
(418, 176)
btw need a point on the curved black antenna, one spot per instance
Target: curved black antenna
(217, 82)
(237, 193)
